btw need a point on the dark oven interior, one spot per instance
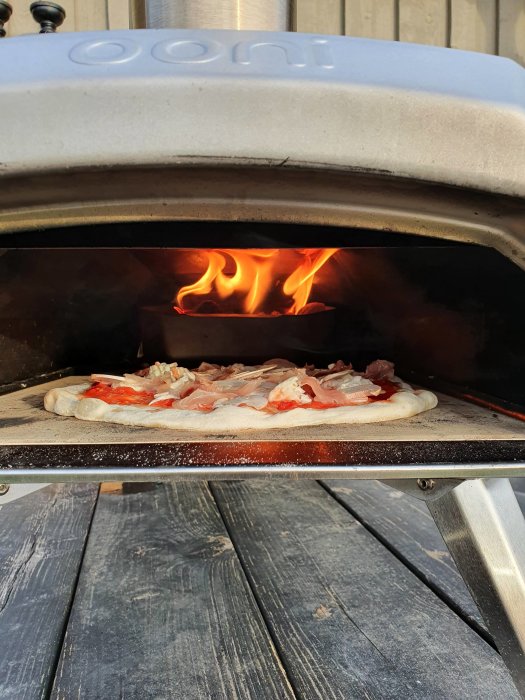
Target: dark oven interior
(102, 298)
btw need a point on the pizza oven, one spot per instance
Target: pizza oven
(356, 199)
(222, 195)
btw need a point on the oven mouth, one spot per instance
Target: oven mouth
(422, 302)
(83, 298)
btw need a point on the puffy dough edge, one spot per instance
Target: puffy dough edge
(66, 401)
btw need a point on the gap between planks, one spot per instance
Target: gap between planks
(163, 608)
(469, 612)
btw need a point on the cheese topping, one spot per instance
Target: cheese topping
(289, 390)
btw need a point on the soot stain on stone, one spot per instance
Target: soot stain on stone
(14, 422)
(34, 401)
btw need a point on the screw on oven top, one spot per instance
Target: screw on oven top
(5, 13)
(49, 15)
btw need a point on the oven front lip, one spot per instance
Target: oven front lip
(214, 460)
(289, 194)
(217, 473)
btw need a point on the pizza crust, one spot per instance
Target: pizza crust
(67, 401)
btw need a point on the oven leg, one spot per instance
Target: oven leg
(484, 529)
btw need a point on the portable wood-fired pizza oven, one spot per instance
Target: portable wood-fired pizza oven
(127, 157)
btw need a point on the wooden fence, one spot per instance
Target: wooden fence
(492, 26)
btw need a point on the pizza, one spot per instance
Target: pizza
(215, 399)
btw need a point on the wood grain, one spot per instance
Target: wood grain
(349, 619)
(511, 29)
(423, 22)
(91, 15)
(406, 524)
(319, 16)
(473, 25)
(163, 609)
(43, 538)
(118, 14)
(373, 19)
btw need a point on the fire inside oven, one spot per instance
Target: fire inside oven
(443, 312)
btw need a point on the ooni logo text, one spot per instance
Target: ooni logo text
(259, 52)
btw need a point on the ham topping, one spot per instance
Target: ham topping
(327, 394)
(277, 385)
(201, 399)
(379, 371)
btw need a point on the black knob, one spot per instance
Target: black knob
(49, 15)
(5, 13)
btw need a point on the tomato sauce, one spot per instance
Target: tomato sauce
(121, 395)
(165, 403)
(126, 396)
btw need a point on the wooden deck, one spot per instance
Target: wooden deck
(235, 590)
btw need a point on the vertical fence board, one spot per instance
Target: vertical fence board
(319, 16)
(373, 19)
(118, 14)
(473, 25)
(511, 28)
(91, 15)
(424, 22)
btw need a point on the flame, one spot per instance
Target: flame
(299, 283)
(251, 277)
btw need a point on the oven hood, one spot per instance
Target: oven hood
(229, 125)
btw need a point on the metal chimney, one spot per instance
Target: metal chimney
(269, 15)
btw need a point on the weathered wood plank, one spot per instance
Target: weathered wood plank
(91, 15)
(406, 523)
(43, 538)
(319, 16)
(423, 22)
(473, 25)
(373, 19)
(118, 14)
(163, 609)
(511, 27)
(349, 619)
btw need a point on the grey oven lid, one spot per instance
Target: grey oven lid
(175, 97)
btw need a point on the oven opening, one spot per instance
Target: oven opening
(117, 297)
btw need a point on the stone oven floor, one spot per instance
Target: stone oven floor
(247, 590)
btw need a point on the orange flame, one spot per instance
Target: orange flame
(299, 283)
(251, 276)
